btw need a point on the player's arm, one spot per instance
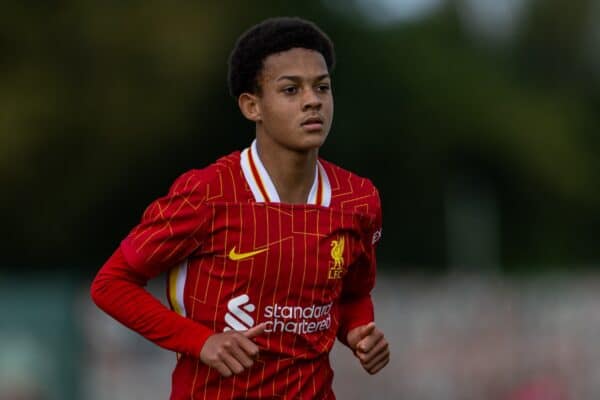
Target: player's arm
(357, 327)
(171, 228)
(356, 306)
(118, 289)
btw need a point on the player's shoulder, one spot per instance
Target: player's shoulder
(349, 189)
(208, 180)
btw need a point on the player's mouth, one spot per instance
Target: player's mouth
(312, 124)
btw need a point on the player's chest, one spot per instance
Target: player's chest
(268, 242)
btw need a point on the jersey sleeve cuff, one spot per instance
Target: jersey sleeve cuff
(354, 314)
(197, 336)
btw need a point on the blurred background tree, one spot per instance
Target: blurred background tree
(477, 119)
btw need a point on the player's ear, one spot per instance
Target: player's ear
(250, 107)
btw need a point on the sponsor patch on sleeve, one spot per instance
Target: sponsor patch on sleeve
(376, 236)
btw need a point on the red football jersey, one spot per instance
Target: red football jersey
(237, 257)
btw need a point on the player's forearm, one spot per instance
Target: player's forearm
(354, 311)
(119, 291)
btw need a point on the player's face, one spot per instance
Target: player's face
(295, 100)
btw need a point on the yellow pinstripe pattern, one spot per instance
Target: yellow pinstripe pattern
(315, 279)
(197, 367)
(254, 244)
(184, 202)
(264, 278)
(302, 283)
(233, 185)
(334, 318)
(214, 318)
(276, 290)
(235, 280)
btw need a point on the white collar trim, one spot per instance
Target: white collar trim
(264, 190)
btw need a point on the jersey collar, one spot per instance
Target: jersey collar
(262, 186)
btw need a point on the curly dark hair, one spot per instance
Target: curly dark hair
(271, 36)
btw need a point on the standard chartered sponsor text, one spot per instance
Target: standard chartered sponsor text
(296, 319)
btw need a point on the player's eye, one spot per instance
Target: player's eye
(290, 90)
(324, 87)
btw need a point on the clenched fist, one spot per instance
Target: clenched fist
(231, 352)
(370, 347)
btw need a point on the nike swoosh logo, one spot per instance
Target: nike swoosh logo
(233, 256)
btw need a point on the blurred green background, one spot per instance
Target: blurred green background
(477, 119)
(440, 103)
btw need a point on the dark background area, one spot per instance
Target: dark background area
(477, 121)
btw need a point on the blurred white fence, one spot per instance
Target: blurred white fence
(451, 338)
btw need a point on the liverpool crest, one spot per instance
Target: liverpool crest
(337, 256)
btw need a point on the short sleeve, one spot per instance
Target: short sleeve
(171, 228)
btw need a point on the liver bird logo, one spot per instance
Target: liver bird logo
(337, 252)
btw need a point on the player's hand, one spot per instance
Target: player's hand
(370, 347)
(231, 352)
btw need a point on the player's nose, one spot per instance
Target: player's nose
(311, 100)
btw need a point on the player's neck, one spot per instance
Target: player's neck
(292, 173)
